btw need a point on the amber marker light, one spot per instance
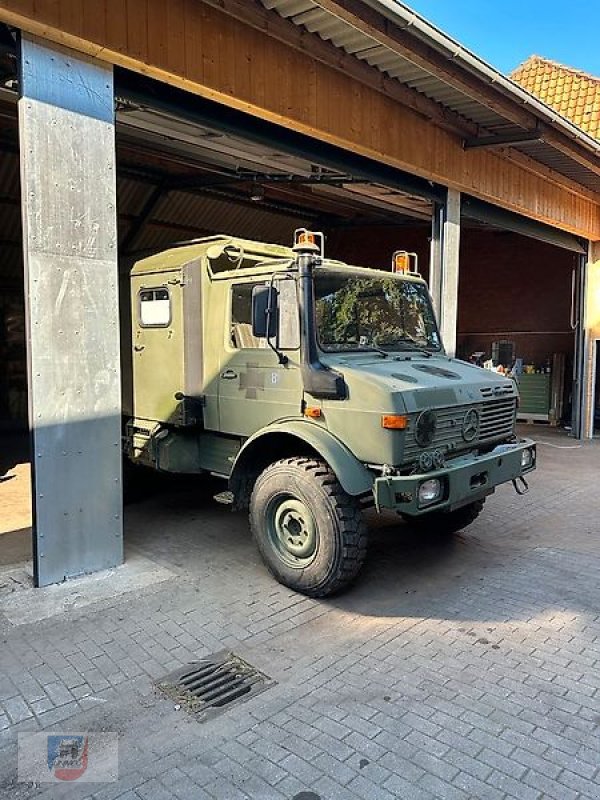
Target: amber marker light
(401, 262)
(314, 412)
(394, 422)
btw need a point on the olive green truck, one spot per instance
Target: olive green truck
(318, 390)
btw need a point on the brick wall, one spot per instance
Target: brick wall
(511, 287)
(373, 246)
(516, 288)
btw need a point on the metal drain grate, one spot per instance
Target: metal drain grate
(207, 687)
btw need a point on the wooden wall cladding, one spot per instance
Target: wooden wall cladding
(199, 48)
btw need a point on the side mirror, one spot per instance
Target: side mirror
(264, 312)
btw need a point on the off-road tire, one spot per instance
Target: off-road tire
(337, 531)
(448, 522)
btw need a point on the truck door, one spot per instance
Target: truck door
(254, 388)
(157, 346)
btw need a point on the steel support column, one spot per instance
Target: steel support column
(444, 267)
(67, 150)
(590, 324)
(435, 257)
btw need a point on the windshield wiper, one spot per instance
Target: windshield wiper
(372, 348)
(414, 345)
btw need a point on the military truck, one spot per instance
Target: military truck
(317, 389)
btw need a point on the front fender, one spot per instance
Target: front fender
(353, 476)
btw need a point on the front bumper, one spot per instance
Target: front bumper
(465, 480)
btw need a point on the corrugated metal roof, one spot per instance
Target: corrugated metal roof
(350, 38)
(9, 174)
(132, 195)
(222, 215)
(11, 256)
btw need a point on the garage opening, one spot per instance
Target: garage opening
(180, 178)
(189, 168)
(15, 479)
(519, 310)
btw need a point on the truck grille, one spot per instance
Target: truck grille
(496, 421)
(497, 418)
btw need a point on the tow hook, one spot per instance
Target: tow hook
(520, 485)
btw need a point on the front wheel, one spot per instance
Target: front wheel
(309, 532)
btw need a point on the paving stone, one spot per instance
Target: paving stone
(16, 709)
(326, 787)
(462, 673)
(363, 787)
(548, 787)
(512, 787)
(441, 788)
(403, 789)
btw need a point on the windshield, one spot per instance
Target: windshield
(387, 313)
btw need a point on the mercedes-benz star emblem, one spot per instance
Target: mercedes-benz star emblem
(470, 425)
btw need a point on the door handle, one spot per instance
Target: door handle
(139, 347)
(229, 375)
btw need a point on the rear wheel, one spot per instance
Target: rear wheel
(309, 532)
(448, 522)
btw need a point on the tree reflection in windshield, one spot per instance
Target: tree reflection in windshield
(389, 313)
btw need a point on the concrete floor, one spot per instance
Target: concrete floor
(15, 483)
(465, 668)
(15, 511)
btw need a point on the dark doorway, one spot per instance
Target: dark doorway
(15, 480)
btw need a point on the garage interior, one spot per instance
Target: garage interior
(179, 181)
(181, 176)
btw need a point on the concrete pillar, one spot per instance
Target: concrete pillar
(67, 151)
(591, 323)
(444, 267)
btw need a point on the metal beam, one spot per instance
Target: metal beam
(489, 214)
(449, 271)
(179, 104)
(66, 125)
(435, 258)
(588, 341)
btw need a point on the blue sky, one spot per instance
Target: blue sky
(505, 32)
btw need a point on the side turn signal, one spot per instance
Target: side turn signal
(397, 422)
(314, 412)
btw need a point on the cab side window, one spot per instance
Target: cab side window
(242, 337)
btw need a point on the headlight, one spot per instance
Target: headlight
(430, 491)
(527, 459)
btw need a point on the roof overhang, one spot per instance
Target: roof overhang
(439, 78)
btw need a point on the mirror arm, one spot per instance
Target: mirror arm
(281, 357)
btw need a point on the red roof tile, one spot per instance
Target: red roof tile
(573, 93)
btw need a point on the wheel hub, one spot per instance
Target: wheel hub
(293, 531)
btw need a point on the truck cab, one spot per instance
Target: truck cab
(316, 388)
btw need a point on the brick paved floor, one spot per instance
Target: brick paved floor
(464, 668)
